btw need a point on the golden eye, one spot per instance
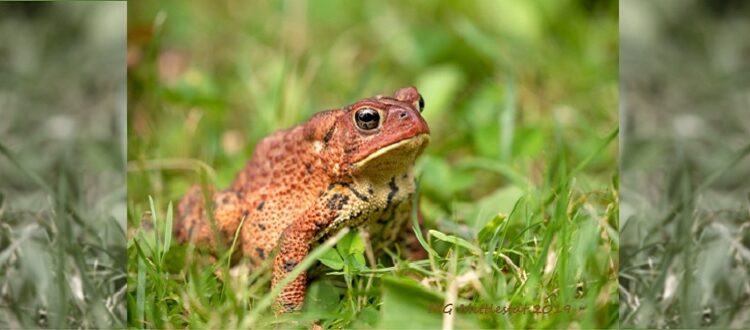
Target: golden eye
(367, 119)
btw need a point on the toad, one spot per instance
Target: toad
(344, 167)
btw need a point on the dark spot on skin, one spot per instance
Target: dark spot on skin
(330, 186)
(320, 223)
(369, 190)
(357, 193)
(318, 226)
(404, 176)
(394, 189)
(359, 219)
(238, 194)
(357, 215)
(309, 168)
(289, 307)
(350, 149)
(260, 206)
(337, 201)
(261, 226)
(320, 194)
(261, 252)
(225, 200)
(289, 265)
(348, 186)
(332, 201)
(343, 202)
(245, 213)
(328, 135)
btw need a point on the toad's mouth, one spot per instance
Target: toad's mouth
(398, 155)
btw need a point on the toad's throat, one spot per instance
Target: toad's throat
(394, 157)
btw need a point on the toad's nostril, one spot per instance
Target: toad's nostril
(403, 115)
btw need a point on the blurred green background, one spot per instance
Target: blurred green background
(62, 165)
(685, 166)
(521, 98)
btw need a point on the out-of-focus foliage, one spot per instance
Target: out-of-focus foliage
(685, 164)
(521, 98)
(62, 162)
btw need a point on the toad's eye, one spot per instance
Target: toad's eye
(421, 103)
(367, 119)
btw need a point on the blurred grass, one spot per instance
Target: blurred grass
(62, 157)
(685, 163)
(519, 183)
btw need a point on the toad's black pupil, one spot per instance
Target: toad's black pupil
(367, 119)
(421, 103)
(367, 116)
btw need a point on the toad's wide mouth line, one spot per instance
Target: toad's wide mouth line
(414, 141)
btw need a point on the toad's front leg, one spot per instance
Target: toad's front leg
(294, 245)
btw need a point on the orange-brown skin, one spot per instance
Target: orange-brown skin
(303, 184)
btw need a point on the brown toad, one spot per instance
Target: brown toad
(344, 167)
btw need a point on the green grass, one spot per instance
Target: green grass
(518, 187)
(62, 199)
